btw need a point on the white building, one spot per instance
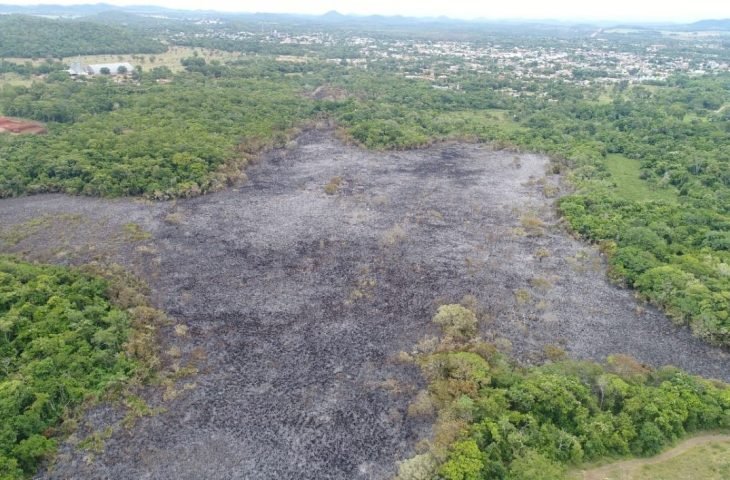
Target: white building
(121, 68)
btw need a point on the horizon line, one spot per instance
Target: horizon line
(563, 19)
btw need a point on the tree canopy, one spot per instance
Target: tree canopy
(61, 342)
(36, 37)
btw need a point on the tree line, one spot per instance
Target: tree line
(499, 420)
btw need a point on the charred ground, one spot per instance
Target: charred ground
(301, 299)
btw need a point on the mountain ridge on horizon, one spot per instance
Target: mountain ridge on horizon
(334, 16)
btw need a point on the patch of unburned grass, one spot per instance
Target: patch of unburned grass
(170, 59)
(394, 235)
(625, 172)
(135, 233)
(364, 290)
(476, 123)
(176, 218)
(15, 234)
(541, 253)
(532, 225)
(541, 283)
(522, 296)
(333, 186)
(706, 461)
(15, 80)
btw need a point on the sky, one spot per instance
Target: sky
(640, 10)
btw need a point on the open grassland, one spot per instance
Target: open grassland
(170, 59)
(626, 172)
(705, 457)
(13, 79)
(476, 122)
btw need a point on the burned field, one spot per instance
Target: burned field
(299, 288)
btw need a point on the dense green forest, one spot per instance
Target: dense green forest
(161, 141)
(62, 343)
(498, 420)
(35, 37)
(28, 68)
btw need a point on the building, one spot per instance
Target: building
(79, 69)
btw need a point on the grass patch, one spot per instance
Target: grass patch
(629, 185)
(170, 59)
(135, 233)
(394, 235)
(532, 225)
(333, 186)
(689, 460)
(13, 235)
(13, 79)
(710, 462)
(478, 122)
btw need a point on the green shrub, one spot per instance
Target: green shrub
(532, 466)
(456, 321)
(62, 342)
(465, 462)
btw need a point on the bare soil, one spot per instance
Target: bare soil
(19, 126)
(300, 299)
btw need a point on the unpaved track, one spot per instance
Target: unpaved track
(300, 299)
(628, 467)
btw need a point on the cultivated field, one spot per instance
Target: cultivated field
(299, 288)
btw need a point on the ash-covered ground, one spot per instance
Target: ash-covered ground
(299, 301)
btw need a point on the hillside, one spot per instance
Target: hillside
(26, 36)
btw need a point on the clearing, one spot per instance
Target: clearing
(704, 457)
(626, 173)
(19, 126)
(297, 301)
(170, 59)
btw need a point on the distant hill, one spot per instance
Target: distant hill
(70, 10)
(150, 15)
(57, 10)
(148, 22)
(721, 24)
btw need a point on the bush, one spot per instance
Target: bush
(420, 467)
(456, 321)
(333, 185)
(533, 466)
(465, 462)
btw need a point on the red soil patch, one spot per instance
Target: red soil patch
(17, 126)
